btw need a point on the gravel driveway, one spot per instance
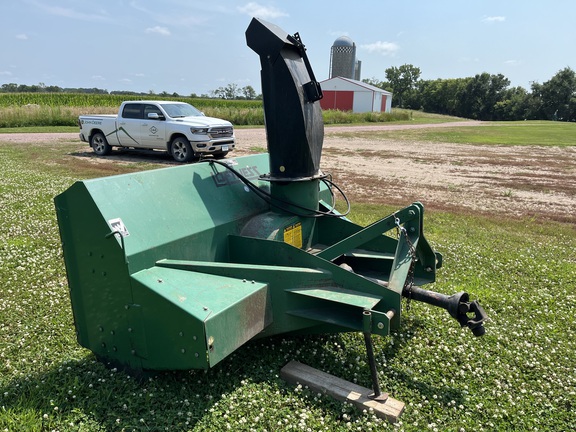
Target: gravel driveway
(490, 179)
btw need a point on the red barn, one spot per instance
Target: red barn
(346, 94)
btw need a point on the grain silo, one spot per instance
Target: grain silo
(343, 61)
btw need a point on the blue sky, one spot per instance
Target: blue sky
(188, 46)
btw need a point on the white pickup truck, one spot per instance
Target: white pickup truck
(178, 127)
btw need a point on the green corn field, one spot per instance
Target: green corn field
(109, 100)
(63, 109)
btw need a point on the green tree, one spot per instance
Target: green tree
(514, 105)
(9, 88)
(403, 81)
(53, 89)
(441, 96)
(482, 93)
(558, 96)
(248, 92)
(231, 91)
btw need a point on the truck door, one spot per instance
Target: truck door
(130, 125)
(153, 130)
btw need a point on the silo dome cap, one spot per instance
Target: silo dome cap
(343, 41)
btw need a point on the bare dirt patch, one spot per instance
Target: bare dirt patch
(498, 180)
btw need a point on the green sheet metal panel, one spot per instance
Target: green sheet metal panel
(340, 295)
(172, 212)
(98, 278)
(194, 320)
(278, 279)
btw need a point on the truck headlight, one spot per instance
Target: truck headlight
(199, 130)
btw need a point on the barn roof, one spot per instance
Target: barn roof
(358, 83)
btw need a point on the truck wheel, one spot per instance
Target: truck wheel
(181, 150)
(100, 145)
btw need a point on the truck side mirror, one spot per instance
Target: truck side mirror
(155, 116)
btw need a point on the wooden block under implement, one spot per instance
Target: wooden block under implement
(321, 382)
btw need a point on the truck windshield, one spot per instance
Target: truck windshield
(181, 110)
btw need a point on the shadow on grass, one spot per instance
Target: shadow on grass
(88, 392)
(130, 155)
(87, 164)
(135, 155)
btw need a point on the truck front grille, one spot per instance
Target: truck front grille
(221, 132)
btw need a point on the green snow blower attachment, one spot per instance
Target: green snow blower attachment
(177, 268)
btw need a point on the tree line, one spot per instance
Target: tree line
(230, 91)
(234, 91)
(43, 88)
(482, 97)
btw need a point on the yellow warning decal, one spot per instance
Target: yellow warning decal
(293, 235)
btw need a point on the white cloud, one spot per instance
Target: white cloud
(469, 60)
(94, 15)
(158, 30)
(265, 12)
(22, 36)
(5, 73)
(337, 33)
(512, 62)
(98, 78)
(379, 47)
(139, 8)
(493, 19)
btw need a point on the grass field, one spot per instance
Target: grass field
(539, 133)
(521, 376)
